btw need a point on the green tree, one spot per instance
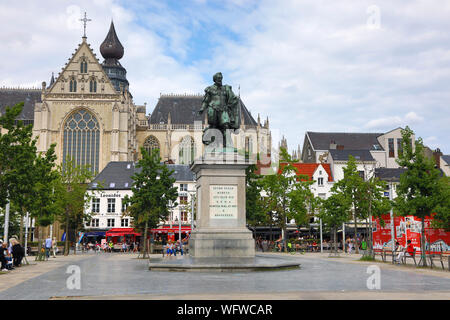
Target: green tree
(287, 194)
(153, 192)
(441, 219)
(44, 198)
(17, 157)
(334, 211)
(370, 202)
(349, 186)
(72, 198)
(255, 214)
(421, 190)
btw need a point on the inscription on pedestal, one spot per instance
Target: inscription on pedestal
(223, 202)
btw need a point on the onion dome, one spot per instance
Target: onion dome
(111, 48)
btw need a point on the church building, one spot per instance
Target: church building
(89, 112)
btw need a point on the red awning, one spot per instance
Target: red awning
(175, 229)
(119, 232)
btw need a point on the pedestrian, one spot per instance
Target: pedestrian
(350, 245)
(48, 246)
(54, 247)
(363, 246)
(3, 255)
(18, 252)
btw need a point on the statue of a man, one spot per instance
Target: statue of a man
(221, 106)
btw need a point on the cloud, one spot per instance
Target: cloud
(308, 65)
(390, 122)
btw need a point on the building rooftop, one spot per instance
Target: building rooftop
(184, 109)
(349, 141)
(9, 97)
(117, 175)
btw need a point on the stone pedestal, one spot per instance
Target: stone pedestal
(221, 230)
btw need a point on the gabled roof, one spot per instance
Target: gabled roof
(117, 175)
(308, 169)
(10, 97)
(359, 155)
(72, 65)
(184, 110)
(349, 141)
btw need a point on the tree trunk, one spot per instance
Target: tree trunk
(144, 247)
(75, 242)
(271, 235)
(422, 244)
(335, 240)
(66, 241)
(356, 233)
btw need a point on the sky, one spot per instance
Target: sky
(307, 65)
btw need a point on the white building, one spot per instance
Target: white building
(114, 183)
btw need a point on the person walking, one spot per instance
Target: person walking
(48, 246)
(54, 247)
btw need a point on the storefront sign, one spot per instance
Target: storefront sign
(223, 202)
(110, 195)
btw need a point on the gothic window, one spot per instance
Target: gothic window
(81, 140)
(151, 143)
(187, 150)
(92, 85)
(73, 85)
(83, 66)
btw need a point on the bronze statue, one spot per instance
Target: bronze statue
(222, 108)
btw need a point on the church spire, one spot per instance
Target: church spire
(111, 48)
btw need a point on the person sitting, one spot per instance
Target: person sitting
(401, 252)
(18, 253)
(3, 255)
(410, 249)
(169, 248)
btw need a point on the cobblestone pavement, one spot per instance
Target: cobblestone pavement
(122, 276)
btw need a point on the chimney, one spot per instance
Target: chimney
(437, 157)
(332, 145)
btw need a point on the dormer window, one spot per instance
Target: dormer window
(73, 85)
(83, 66)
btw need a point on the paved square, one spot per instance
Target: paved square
(123, 276)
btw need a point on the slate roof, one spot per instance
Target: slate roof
(350, 141)
(10, 97)
(342, 155)
(446, 158)
(117, 175)
(389, 174)
(184, 110)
